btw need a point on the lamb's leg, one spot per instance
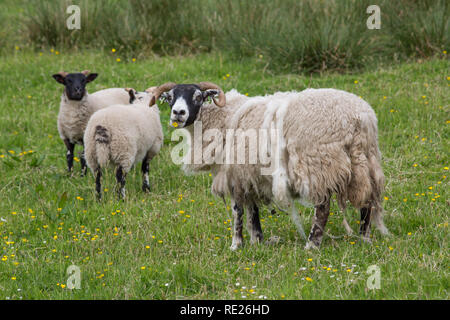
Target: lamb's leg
(364, 225)
(320, 220)
(69, 155)
(98, 183)
(253, 224)
(238, 212)
(120, 178)
(83, 163)
(145, 168)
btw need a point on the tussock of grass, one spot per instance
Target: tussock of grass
(173, 243)
(289, 35)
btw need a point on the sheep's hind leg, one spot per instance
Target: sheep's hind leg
(98, 183)
(145, 168)
(364, 225)
(238, 212)
(69, 155)
(253, 224)
(120, 178)
(317, 230)
(83, 164)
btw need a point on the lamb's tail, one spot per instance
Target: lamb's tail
(102, 139)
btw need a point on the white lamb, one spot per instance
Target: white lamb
(327, 144)
(124, 135)
(77, 106)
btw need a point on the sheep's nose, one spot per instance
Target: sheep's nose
(179, 113)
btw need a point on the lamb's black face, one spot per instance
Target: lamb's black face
(185, 101)
(75, 83)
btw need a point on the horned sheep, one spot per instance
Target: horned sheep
(327, 144)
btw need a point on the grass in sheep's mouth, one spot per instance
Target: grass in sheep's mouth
(174, 242)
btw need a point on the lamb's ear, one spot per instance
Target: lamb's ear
(132, 94)
(60, 77)
(91, 77)
(210, 93)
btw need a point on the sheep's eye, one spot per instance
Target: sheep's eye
(198, 98)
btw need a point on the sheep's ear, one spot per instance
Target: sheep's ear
(210, 93)
(152, 101)
(132, 94)
(164, 96)
(91, 77)
(60, 77)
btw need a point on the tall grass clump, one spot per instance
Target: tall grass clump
(419, 28)
(298, 36)
(287, 35)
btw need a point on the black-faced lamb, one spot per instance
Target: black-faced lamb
(77, 106)
(326, 144)
(124, 135)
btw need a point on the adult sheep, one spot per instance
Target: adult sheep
(327, 144)
(77, 106)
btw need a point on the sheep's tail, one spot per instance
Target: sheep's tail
(377, 218)
(296, 219)
(102, 139)
(377, 176)
(377, 181)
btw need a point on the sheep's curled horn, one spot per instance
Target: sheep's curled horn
(160, 90)
(202, 85)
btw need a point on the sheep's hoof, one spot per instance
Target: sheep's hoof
(311, 245)
(256, 239)
(235, 246)
(146, 188)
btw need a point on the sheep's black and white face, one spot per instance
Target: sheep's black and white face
(75, 83)
(185, 101)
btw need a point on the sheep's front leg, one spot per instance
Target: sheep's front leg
(120, 178)
(253, 224)
(145, 168)
(238, 212)
(318, 227)
(69, 155)
(364, 226)
(83, 163)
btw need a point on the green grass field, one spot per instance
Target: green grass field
(174, 242)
